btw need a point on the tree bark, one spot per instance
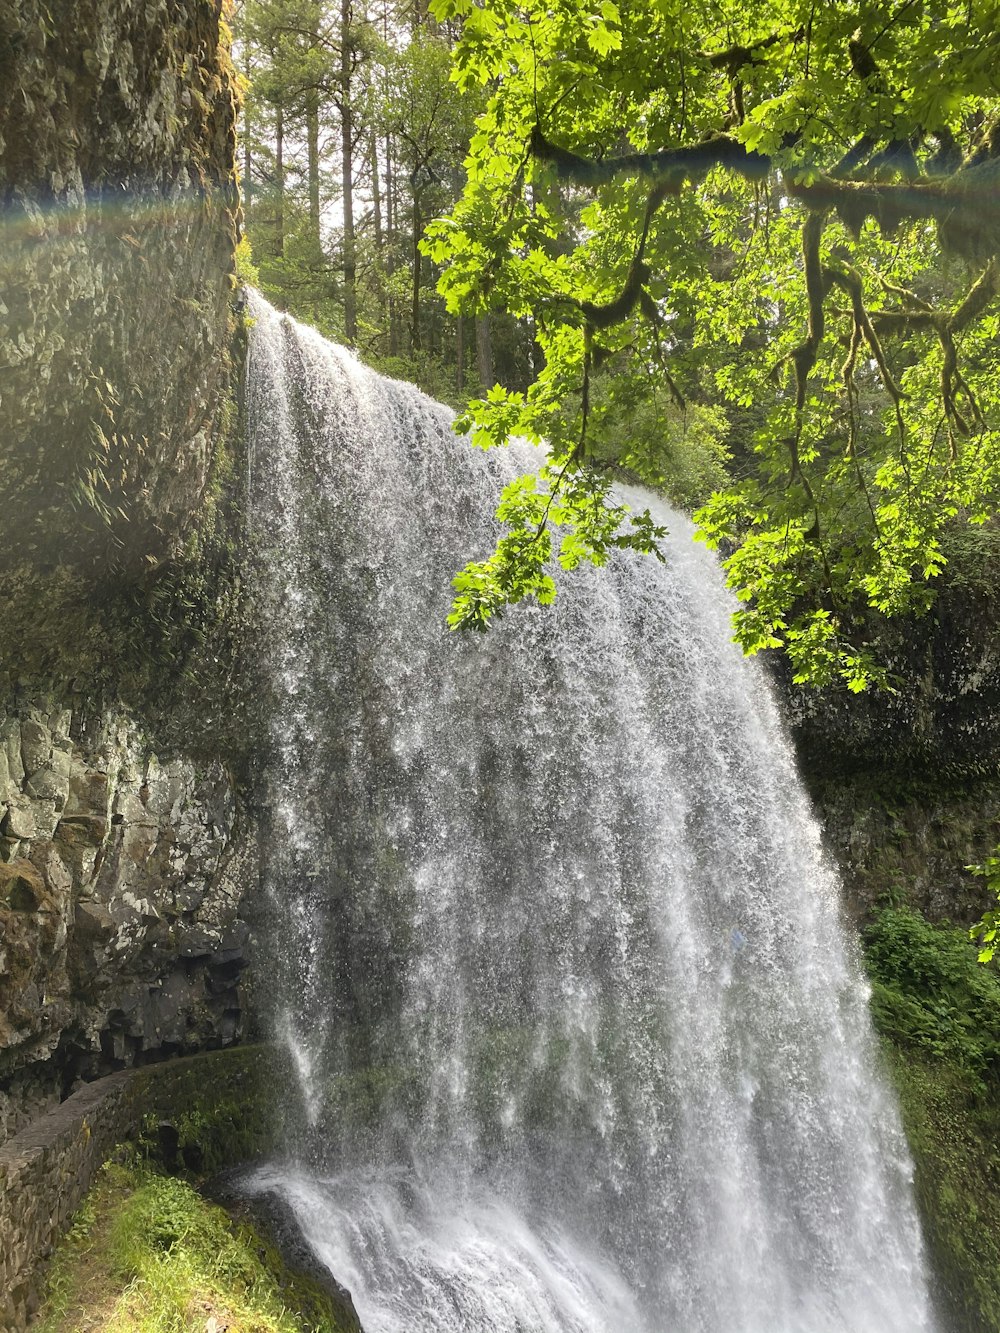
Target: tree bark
(312, 148)
(415, 287)
(376, 198)
(247, 159)
(390, 226)
(279, 182)
(484, 351)
(347, 178)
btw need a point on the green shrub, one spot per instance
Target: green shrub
(929, 992)
(147, 1254)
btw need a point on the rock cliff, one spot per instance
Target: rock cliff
(121, 880)
(118, 209)
(907, 782)
(122, 858)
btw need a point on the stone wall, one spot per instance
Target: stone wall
(121, 882)
(46, 1170)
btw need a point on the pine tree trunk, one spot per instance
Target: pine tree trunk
(415, 288)
(376, 189)
(312, 148)
(376, 198)
(484, 351)
(390, 225)
(279, 182)
(247, 159)
(347, 178)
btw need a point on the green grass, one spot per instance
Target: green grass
(147, 1254)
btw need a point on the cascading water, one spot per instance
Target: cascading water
(582, 1044)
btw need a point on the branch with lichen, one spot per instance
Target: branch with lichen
(960, 203)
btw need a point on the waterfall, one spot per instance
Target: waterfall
(582, 1042)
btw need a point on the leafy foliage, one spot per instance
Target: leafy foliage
(928, 993)
(778, 213)
(987, 929)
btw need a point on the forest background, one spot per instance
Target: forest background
(354, 138)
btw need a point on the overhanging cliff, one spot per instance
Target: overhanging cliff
(124, 849)
(118, 216)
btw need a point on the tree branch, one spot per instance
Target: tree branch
(963, 202)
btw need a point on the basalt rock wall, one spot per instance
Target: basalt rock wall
(121, 883)
(124, 848)
(907, 781)
(118, 217)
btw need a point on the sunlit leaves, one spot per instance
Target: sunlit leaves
(568, 514)
(845, 477)
(987, 930)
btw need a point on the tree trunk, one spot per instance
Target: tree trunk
(247, 160)
(484, 351)
(390, 227)
(279, 182)
(460, 354)
(347, 178)
(415, 289)
(376, 198)
(312, 148)
(376, 191)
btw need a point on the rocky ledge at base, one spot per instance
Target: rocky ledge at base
(122, 881)
(205, 1112)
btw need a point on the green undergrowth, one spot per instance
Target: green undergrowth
(938, 1012)
(146, 1253)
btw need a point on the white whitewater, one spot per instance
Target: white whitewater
(583, 1045)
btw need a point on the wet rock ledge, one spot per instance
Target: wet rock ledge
(121, 882)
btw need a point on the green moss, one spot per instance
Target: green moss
(938, 1012)
(147, 1254)
(209, 1111)
(953, 1136)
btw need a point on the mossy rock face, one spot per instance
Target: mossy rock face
(953, 1136)
(940, 723)
(118, 214)
(320, 1302)
(269, 1227)
(208, 1112)
(907, 782)
(909, 842)
(938, 1012)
